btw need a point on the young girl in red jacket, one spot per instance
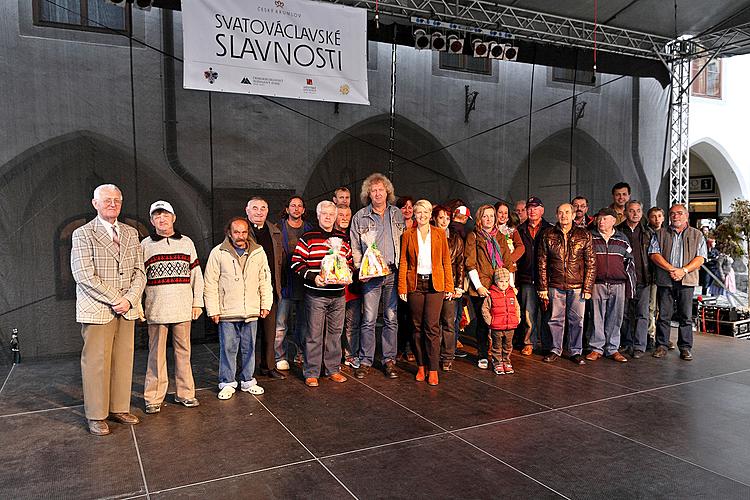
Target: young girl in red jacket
(501, 311)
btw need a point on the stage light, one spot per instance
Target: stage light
(438, 41)
(421, 40)
(143, 4)
(480, 48)
(511, 53)
(119, 3)
(455, 44)
(495, 50)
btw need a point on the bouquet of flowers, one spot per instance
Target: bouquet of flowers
(333, 268)
(373, 264)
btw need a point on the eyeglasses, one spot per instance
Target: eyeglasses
(111, 201)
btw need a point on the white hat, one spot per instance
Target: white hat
(161, 205)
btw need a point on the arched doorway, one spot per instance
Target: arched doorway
(550, 176)
(363, 149)
(714, 177)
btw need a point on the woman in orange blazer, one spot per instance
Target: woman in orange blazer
(425, 278)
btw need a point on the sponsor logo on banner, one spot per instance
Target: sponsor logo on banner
(344, 89)
(246, 81)
(309, 81)
(210, 75)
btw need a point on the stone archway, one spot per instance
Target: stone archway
(550, 177)
(47, 185)
(728, 177)
(363, 149)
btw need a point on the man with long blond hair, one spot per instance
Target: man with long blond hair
(381, 223)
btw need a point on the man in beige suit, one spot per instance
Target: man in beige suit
(107, 265)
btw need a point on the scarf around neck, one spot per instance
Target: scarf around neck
(493, 247)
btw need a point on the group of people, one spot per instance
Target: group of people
(518, 280)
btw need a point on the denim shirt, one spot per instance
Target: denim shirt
(368, 227)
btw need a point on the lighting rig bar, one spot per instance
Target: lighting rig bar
(523, 24)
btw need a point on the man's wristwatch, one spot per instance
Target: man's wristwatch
(685, 270)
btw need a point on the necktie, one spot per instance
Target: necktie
(115, 238)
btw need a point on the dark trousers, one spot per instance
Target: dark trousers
(667, 295)
(502, 345)
(265, 357)
(448, 329)
(405, 327)
(425, 305)
(325, 320)
(482, 329)
(634, 331)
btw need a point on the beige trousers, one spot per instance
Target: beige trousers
(107, 367)
(157, 378)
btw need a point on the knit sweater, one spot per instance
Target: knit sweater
(174, 279)
(309, 253)
(614, 261)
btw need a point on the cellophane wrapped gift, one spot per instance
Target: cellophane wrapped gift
(333, 268)
(373, 264)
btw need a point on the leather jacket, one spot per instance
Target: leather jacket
(456, 250)
(566, 267)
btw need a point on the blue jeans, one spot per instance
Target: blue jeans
(634, 331)
(234, 335)
(325, 320)
(352, 326)
(609, 305)
(535, 320)
(283, 315)
(566, 304)
(373, 292)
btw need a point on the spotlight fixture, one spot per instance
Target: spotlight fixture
(421, 40)
(481, 49)
(455, 44)
(495, 50)
(143, 4)
(511, 53)
(438, 41)
(119, 3)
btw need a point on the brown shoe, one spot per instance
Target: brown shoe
(459, 345)
(420, 374)
(593, 356)
(527, 350)
(618, 357)
(124, 418)
(432, 378)
(98, 427)
(337, 377)
(311, 382)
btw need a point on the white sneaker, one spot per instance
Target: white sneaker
(227, 392)
(282, 365)
(483, 364)
(252, 387)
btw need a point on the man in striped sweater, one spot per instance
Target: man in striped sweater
(615, 280)
(324, 303)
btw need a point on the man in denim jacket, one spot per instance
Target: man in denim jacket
(381, 223)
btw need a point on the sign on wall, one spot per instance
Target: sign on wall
(284, 48)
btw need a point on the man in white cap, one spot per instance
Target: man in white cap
(174, 298)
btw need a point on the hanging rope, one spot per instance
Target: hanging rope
(596, 18)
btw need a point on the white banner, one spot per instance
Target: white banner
(284, 48)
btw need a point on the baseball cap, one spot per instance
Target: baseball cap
(534, 202)
(462, 210)
(607, 211)
(161, 205)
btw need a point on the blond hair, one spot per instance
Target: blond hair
(424, 204)
(375, 178)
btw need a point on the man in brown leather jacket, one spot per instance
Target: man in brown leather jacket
(567, 267)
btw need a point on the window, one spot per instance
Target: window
(577, 76)
(708, 81)
(468, 64)
(86, 15)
